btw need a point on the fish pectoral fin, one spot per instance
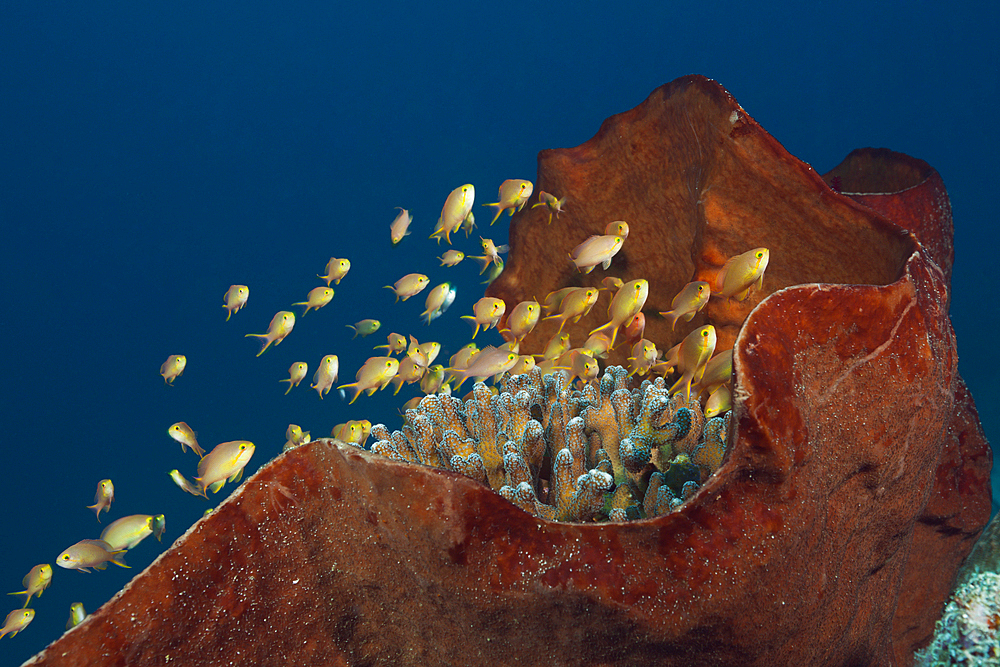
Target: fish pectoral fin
(236, 476)
(214, 488)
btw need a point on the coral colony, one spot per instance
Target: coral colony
(600, 453)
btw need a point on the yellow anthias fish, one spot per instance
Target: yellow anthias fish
(36, 581)
(425, 353)
(576, 304)
(456, 208)
(173, 367)
(281, 325)
(186, 436)
(87, 554)
(451, 257)
(128, 531)
(514, 192)
(488, 312)
(295, 436)
(692, 355)
(719, 401)
(316, 299)
(410, 370)
(400, 227)
(626, 303)
(617, 228)
(364, 328)
(554, 204)
(76, 615)
(740, 272)
(16, 621)
(596, 250)
(553, 300)
(375, 374)
(432, 380)
(326, 374)
(349, 432)
(235, 297)
(225, 461)
(435, 301)
(396, 343)
(718, 371)
(644, 355)
(296, 373)
(493, 273)
(409, 285)
(488, 362)
(491, 254)
(579, 364)
(688, 302)
(182, 482)
(336, 269)
(103, 498)
(525, 364)
(522, 319)
(598, 345)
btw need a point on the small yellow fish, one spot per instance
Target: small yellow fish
(553, 300)
(396, 343)
(581, 365)
(235, 297)
(493, 273)
(375, 374)
(409, 285)
(326, 374)
(400, 227)
(627, 302)
(296, 373)
(76, 615)
(128, 531)
(688, 302)
(87, 554)
(692, 355)
(469, 224)
(456, 208)
(522, 319)
(556, 347)
(718, 402)
(435, 301)
(598, 345)
(349, 432)
(740, 272)
(281, 325)
(554, 204)
(576, 304)
(718, 371)
(186, 436)
(525, 363)
(464, 355)
(488, 312)
(644, 355)
(491, 254)
(226, 460)
(410, 370)
(514, 192)
(16, 621)
(316, 299)
(336, 269)
(364, 328)
(488, 362)
(617, 228)
(295, 436)
(432, 380)
(36, 581)
(596, 250)
(103, 498)
(182, 482)
(173, 367)
(425, 353)
(451, 257)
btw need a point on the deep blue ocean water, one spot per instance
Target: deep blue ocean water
(152, 155)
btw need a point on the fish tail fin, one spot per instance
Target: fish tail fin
(119, 558)
(351, 326)
(499, 209)
(482, 261)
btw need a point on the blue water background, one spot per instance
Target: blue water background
(153, 154)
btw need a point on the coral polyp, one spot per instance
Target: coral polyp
(606, 452)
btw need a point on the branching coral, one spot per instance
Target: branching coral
(606, 452)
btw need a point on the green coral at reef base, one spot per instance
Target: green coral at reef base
(969, 630)
(606, 452)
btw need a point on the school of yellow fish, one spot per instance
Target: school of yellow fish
(699, 369)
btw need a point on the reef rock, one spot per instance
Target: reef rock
(856, 480)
